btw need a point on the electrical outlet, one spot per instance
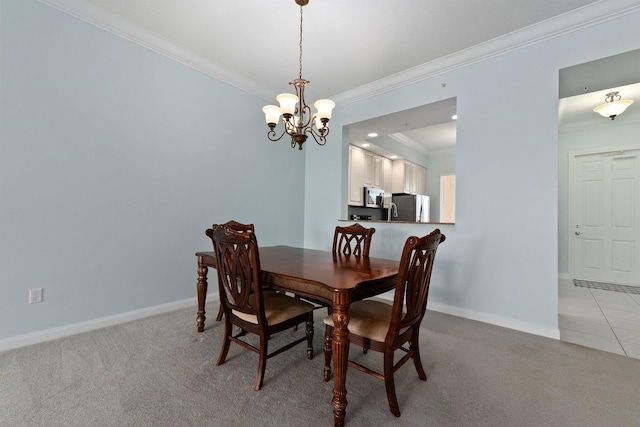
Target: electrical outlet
(35, 295)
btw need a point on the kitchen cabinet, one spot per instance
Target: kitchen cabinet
(408, 178)
(356, 175)
(387, 175)
(373, 170)
(367, 169)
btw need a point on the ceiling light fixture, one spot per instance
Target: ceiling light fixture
(613, 105)
(296, 114)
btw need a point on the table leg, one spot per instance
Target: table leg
(201, 290)
(340, 349)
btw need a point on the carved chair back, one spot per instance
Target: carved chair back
(412, 284)
(240, 228)
(352, 240)
(238, 268)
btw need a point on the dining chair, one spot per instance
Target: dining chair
(352, 240)
(240, 228)
(246, 305)
(384, 327)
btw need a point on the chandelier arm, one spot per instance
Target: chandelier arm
(319, 137)
(304, 114)
(272, 133)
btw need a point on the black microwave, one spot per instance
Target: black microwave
(373, 197)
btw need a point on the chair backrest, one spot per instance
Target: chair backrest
(412, 284)
(235, 226)
(353, 239)
(238, 269)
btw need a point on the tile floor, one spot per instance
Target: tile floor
(606, 320)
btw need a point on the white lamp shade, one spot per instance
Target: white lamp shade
(324, 107)
(271, 113)
(609, 109)
(317, 121)
(287, 102)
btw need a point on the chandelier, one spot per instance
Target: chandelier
(613, 105)
(296, 114)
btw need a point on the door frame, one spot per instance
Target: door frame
(571, 192)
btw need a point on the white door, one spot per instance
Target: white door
(604, 211)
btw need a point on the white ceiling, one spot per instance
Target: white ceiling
(351, 48)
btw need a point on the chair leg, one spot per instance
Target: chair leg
(225, 342)
(328, 331)
(389, 384)
(413, 345)
(220, 314)
(262, 362)
(309, 332)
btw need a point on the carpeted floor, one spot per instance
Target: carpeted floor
(159, 372)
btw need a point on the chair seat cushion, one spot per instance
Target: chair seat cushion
(369, 319)
(278, 308)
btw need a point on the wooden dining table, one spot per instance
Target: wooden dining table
(333, 279)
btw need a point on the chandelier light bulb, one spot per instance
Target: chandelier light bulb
(271, 114)
(287, 103)
(324, 108)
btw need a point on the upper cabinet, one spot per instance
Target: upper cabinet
(408, 178)
(357, 163)
(367, 169)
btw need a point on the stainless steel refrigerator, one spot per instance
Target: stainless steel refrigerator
(411, 207)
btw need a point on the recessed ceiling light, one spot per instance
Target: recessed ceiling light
(393, 157)
(454, 117)
(372, 135)
(365, 145)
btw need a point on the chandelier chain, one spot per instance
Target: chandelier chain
(300, 45)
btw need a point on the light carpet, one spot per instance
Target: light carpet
(159, 371)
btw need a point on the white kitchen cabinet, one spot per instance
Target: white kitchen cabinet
(408, 178)
(356, 175)
(367, 169)
(387, 168)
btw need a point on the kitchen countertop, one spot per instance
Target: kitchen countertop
(384, 221)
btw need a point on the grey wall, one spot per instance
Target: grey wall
(113, 162)
(500, 260)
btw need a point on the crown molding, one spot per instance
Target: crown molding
(408, 142)
(569, 22)
(595, 13)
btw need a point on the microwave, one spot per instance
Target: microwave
(373, 197)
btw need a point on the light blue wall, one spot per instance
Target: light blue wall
(113, 162)
(616, 133)
(500, 259)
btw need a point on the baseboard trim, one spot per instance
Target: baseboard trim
(103, 322)
(493, 319)
(90, 325)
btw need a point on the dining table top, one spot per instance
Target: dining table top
(322, 268)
